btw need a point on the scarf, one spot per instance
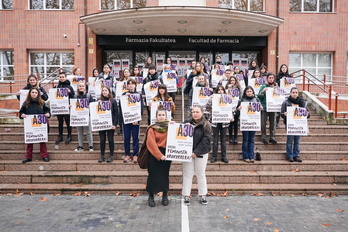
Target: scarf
(160, 126)
(294, 101)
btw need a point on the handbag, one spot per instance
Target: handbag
(143, 156)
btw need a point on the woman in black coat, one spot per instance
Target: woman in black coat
(34, 104)
(33, 82)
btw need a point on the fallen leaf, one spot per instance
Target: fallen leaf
(31, 193)
(304, 194)
(325, 224)
(17, 191)
(43, 199)
(252, 171)
(9, 194)
(272, 194)
(239, 202)
(256, 219)
(4, 171)
(295, 170)
(339, 210)
(87, 194)
(77, 194)
(134, 194)
(331, 194)
(56, 194)
(269, 223)
(117, 193)
(343, 159)
(225, 217)
(275, 230)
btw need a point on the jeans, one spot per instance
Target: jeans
(198, 166)
(128, 131)
(219, 129)
(293, 145)
(248, 144)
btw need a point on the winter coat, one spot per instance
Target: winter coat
(286, 103)
(43, 92)
(66, 84)
(201, 136)
(33, 108)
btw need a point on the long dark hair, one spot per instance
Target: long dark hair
(36, 78)
(218, 87)
(94, 70)
(246, 88)
(162, 86)
(38, 98)
(110, 98)
(122, 75)
(280, 69)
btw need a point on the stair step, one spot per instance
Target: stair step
(228, 189)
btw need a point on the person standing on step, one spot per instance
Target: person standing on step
(293, 141)
(64, 83)
(131, 129)
(201, 147)
(267, 115)
(34, 104)
(219, 130)
(283, 73)
(82, 93)
(33, 82)
(158, 167)
(248, 136)
(106, 95)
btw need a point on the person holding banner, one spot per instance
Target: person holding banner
(82, 94)
(201, 147)
(202, 82)
(64, 83)
(293, 141)
(167, 68)
(95, 73)
(149, 62)
(132, 129)
(34, 104)
(267, 115)
(232, 84)
(77, 71)
(283, 72)
(162, 95)
(158, 167)
(106, 95)
(107, 78)
(263, 70)
(193, 77)
(248, 136)
(33, 82)
(219, 130)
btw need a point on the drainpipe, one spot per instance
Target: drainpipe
(86, 41)
(277, 39)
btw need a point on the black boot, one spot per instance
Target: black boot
(101, 159)
(258, 156)
(60, 139)
(235, 141)
(151, 200)
(165, 200)
(68, 139)
(111, 158)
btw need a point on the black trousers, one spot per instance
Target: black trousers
(61, 119)
(233, 128)
(219, 132)
(102, 135)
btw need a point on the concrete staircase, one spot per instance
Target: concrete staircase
(323, 171)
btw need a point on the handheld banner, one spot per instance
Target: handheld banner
(35, 128)
(250, 116)
(256, 83)
(200, 96)
(179, 142)
(167, 106)
(150, 89)
(59, 101)
(274, 99)
(121, 87)
(74, 80)
(221, 108)
(296, 121)
(139, 80)
(94, 88)
(23, 95)
(287, 83)
(216, 77)
(169, 79)
(79, 112)
(241, 80)
(131, 108)
(101, 118)
(235, 93)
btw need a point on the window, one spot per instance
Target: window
(6, 65)
(316, 64)
(5, 4)
(121, 4)
(51, 4)
(250, 5)
(311, 5)
(45, 63)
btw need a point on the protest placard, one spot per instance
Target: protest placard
(274, 99)
(250, 116)
(79, 112)
(59, 101)
(131, 108)
(296, 121)
(221, 108)
(101, 118)
(179, 142)
(35, 128)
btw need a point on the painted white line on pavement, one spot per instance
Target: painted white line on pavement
(185, 226)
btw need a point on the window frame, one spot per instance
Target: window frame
(45, 65)
(316, 74)
(44, 5)
(318, 8)
(248, 8)
(115, 4)
(2, 65)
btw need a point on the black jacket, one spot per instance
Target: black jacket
(201, 136)
(33, 108)
(149, 78)
(280, 76)
(43, 92)
(66, 84)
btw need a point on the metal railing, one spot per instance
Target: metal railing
(310, 81)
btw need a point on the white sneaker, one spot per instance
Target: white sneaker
(204, 200)
(187, 200)
(91, 148)
(78, 149)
